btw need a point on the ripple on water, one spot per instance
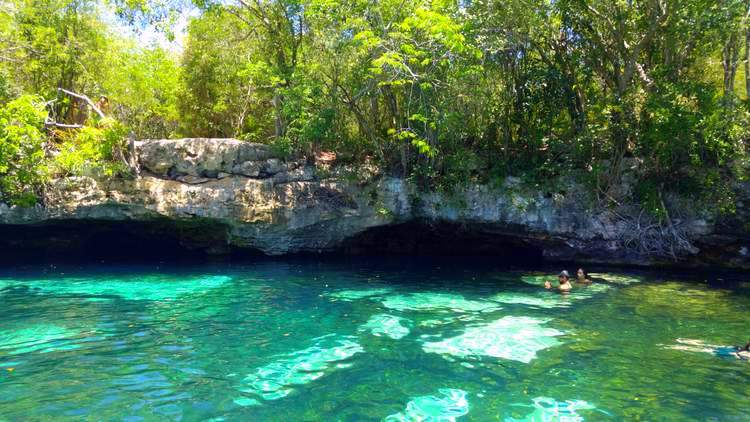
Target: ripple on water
(548, 409)
(274, 381)
(145, 287)
(449, 405)
(41, 338)
(546, 300)
(447, 320)
(389, 325)
(437, 301)
(511, 337)
(5, 284)
(617, 278)
(352, 295)
(553, 299)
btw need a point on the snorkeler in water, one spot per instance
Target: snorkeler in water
(564, 279)
(582, 277)
(735, 352)
(744, 352)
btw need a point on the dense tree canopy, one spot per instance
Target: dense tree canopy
(446, 92)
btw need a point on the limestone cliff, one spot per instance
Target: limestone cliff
(235, 194)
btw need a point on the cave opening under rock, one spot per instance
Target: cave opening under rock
(84, 240)
(419, 238)
(167, 240)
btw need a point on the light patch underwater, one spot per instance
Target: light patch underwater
(352, 295)
(437, 301)
(550, 410)
(449, 405)
(147, 287)
(616, 278)
(384, 324)
(275, 380)
(43, 338)
(461, 318)
(546, 300)
(551, 299)
(511, 337)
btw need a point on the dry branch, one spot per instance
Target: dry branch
(648, 235)
(84, 98)
(61, 125)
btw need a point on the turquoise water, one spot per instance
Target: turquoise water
(368, 340)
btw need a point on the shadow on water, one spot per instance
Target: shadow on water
(162, 239)
(84, 241)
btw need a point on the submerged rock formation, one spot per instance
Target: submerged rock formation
(221, 194)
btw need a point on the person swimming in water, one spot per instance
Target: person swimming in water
(582, 277)
(744, 352)
(564, 279)
(734, 352)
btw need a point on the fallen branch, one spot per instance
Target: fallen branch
(62, 125)
(84, 98)
(649, 235)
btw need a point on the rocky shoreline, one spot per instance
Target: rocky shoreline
(219, 195)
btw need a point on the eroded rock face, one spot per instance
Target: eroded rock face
(274, 218)
(263, 202)
(207, 158)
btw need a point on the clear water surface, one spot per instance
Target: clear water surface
(366, 340)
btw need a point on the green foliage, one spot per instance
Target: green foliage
(93, 151)
(308, 120)
(217, 89)
(144, 91)
(441, 92)
(283, 147)
(56, 43)
(21, 154)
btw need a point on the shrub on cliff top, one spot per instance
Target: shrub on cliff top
(92, 151)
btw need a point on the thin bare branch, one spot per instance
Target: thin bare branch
(84, 98)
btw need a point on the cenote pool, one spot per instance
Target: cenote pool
(366, 340)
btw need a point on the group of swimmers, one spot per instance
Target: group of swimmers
(564, 278)
(582, 278)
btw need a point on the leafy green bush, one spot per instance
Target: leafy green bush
(22, 168)
(688, 142)
(93, 151)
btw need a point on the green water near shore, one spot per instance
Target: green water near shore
(369, 340)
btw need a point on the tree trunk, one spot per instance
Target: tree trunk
(730, 60)
(279, 118)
